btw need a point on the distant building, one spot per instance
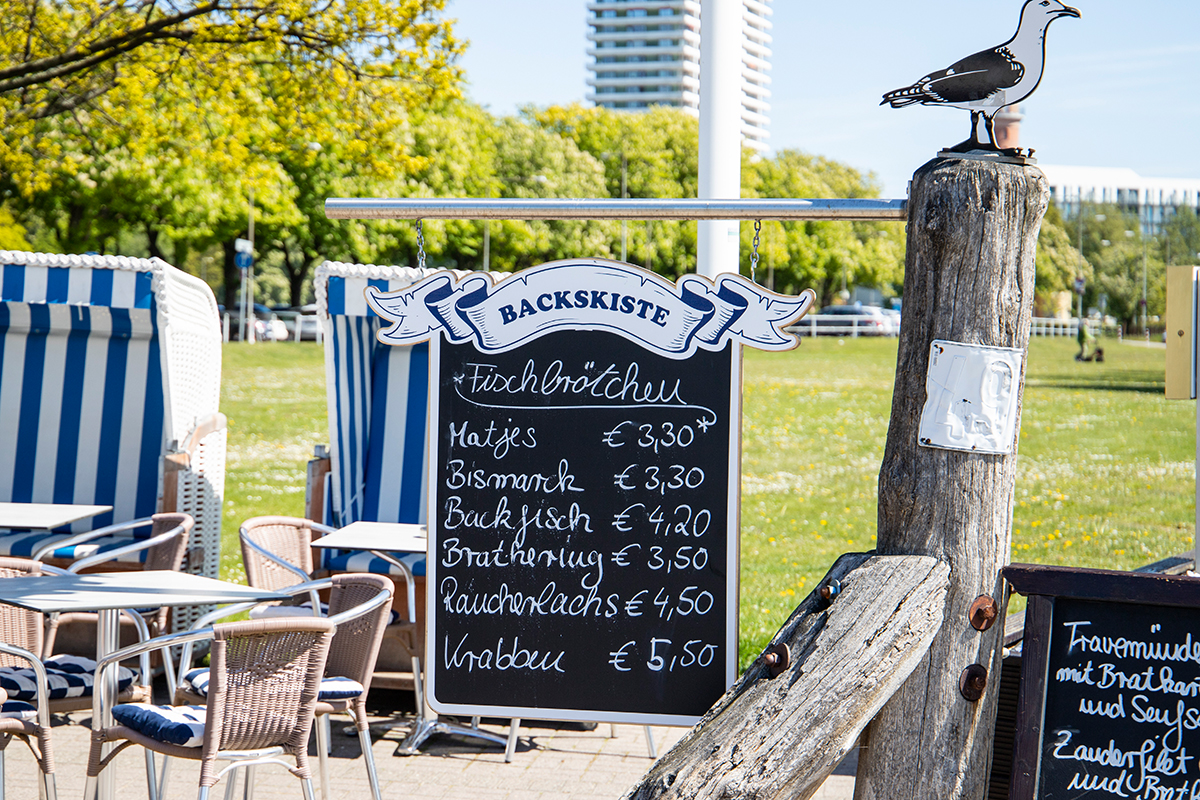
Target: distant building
(1152, 199)
(647, 52)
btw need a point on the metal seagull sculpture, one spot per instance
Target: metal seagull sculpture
(991, 79)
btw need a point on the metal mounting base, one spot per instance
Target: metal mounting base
(990, 155)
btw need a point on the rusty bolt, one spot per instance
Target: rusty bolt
(972, 682)
(831, 590)
(777, 658)
(984, 612)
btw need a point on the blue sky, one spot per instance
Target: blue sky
(1121, 88)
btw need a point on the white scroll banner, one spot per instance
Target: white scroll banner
(671, 318)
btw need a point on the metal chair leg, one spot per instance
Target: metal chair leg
(50, 788)
(364, 740)
(162, 781)
(650, 741)
(230, 783)
(321, 729)
(308, 790)
(151, 778)
(248, 783)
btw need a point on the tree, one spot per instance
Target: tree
(12, 233)
(62, 58)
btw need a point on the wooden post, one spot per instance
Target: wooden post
(778, 738)
(969, 276)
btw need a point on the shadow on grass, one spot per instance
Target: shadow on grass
(1073, 383)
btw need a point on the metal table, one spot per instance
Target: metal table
(385, 540)
(107, 593)
(45, 516)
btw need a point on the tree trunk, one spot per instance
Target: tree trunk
(969, 278)
(231, 277)
(779, 738)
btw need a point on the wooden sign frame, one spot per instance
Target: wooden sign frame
(1045, 586)
(487, 337)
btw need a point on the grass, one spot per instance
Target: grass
(1106, 474)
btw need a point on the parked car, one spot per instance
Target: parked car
(267, 325)
(303, 318)
(854, 320)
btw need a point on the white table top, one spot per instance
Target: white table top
(110, 590)
(390, 537)
(45, 515)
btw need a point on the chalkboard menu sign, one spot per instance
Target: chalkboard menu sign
(1110, 691)
(583, 507)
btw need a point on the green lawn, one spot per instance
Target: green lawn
(1106, 475)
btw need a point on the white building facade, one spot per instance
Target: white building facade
(1153, 199)
(647, 52)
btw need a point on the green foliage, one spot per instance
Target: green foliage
(12, 233)
(1058, 260)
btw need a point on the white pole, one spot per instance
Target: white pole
(720, 130)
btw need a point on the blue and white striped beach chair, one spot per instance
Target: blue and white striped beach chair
(110, 371)
(378, 401)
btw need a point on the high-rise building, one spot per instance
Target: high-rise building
(647, 52)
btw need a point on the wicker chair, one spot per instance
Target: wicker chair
(18, 718)
(277, 551)
(265, 677)
(360, 606)
(70, 677)
(165, 549)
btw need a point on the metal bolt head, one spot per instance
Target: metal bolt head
(777, 657)
(984, 612)
(972, 682)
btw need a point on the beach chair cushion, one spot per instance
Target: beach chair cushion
(66, 676)
(362, 561)
(177, 725)
(23, 544)
(17, 709)
(332, 688)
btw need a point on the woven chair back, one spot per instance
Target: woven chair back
(264, 679)
(169, 555)
(20, 627)
(356, 644)
(288, 538)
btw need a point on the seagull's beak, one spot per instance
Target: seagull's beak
(1067, 11)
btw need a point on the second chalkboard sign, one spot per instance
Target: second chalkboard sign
(1110, 686)
(584, 476)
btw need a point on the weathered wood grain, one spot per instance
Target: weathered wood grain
(781, 737)
(969, 277)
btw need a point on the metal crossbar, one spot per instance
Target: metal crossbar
(595, 209)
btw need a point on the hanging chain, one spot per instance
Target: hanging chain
(754, 254)
(420, 246)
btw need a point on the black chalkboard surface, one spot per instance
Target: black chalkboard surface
(1110, 693)
(583, 564)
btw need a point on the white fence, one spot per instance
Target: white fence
(869, 325)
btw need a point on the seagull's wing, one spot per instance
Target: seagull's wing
(973, 78)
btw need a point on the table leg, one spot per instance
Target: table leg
(107, 641)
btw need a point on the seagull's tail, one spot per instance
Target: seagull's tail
(905, 97)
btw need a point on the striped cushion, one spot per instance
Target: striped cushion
(362, 561)
(331, 688)
(23, 544)
(178, 725)
(17, 709)
(66, 676)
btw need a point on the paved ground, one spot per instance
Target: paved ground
(553, 760)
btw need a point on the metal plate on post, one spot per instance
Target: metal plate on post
(971, 397)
